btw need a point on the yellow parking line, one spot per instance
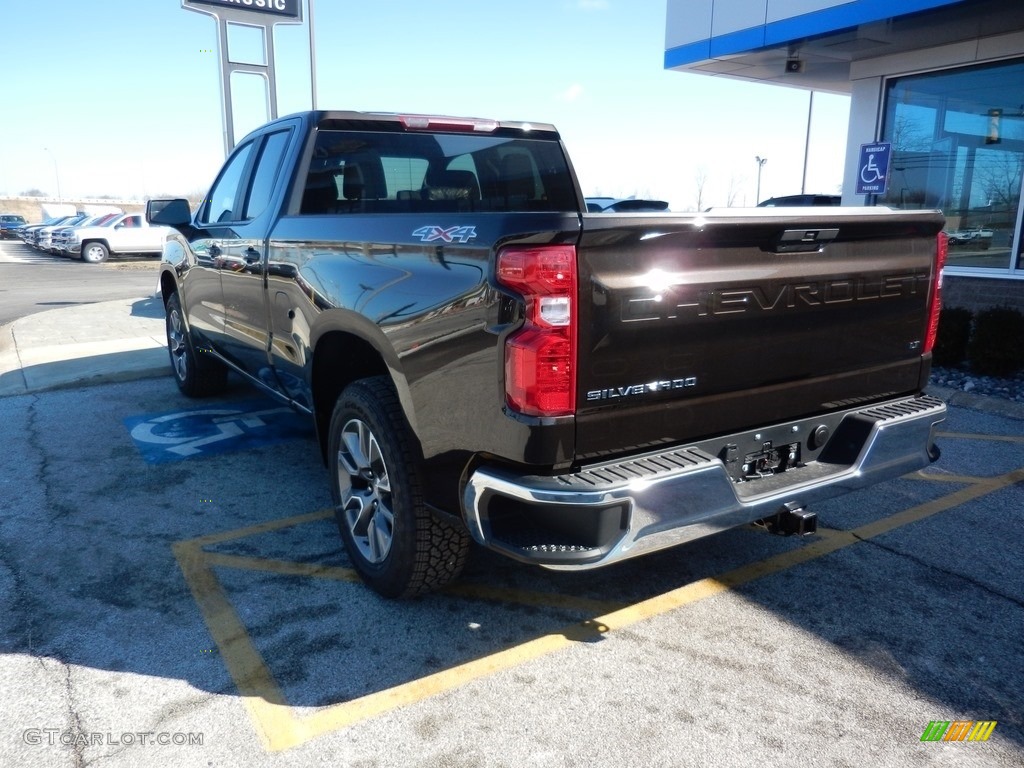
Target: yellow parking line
(827, 532)
(256, 685)
(252, 530)
(983, 488)
(279, 728)
(942, 477)
(281, 567)
(460, 589)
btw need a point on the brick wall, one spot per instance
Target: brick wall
(977, 293)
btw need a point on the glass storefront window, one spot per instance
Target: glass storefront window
(958, 145)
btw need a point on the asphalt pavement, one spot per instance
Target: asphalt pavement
(195, 607)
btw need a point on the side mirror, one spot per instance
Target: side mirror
(169, 213)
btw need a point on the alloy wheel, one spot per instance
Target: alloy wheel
(366, 500)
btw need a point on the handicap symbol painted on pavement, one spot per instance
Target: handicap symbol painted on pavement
(177, 435)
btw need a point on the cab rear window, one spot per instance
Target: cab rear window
(385, 171)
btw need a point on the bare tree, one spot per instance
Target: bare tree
(735, 188)
(700, 179)
(909, 135)
(1000, 178)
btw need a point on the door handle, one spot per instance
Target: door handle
(251, 256)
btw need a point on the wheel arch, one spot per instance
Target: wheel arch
(168, 285)
(343, 354)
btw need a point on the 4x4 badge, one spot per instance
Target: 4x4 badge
(455, 234)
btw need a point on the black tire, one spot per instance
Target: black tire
(396, 545)
(198, 374)
(94, 252)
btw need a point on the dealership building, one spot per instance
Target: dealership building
(937, 95)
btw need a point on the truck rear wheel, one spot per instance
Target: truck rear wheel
(94, 252)
(397, 546)
(197, 374)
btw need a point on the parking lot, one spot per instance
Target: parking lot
(174, 593)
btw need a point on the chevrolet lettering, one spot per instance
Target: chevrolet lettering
(488, 364)
(731, 301)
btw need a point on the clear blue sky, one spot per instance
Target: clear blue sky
(122, 96)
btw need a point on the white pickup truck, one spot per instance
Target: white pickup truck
(130, 233)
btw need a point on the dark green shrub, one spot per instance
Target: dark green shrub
(997, 344)
(954, 333)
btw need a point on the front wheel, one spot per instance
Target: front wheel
(396, 545)
(94, 253)
(196, 372)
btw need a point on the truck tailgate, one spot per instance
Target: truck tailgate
(692, 327)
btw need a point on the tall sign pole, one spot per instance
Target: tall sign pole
(312, 57)
(807, 143)
(263, 15)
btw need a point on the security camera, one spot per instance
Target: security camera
(794, 66)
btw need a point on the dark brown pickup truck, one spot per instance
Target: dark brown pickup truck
(486, 360)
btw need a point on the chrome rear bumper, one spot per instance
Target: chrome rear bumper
(616, 510)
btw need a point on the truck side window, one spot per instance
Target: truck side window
(265, 175)
(220, 204)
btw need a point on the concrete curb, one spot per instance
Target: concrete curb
(10, 362)
(84, 369)
(83, 345)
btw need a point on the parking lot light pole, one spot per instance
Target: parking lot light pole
(760, 164)
(56, 173)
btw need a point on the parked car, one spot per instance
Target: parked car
(61, 239)
(28, 233)
(127, 233)
(979, 237)
(799, 200)
(44, 235)
(9, 222)
(624, 205)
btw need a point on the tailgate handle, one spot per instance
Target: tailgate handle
(803, 240)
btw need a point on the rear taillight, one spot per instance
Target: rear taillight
(540, 357)
(935, 302)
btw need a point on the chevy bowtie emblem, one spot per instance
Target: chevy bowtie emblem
(808, 235)
(805, 240)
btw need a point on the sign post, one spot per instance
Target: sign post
(263, 15)
(873, 168)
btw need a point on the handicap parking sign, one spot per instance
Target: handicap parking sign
(177, 435)
(873, 168)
